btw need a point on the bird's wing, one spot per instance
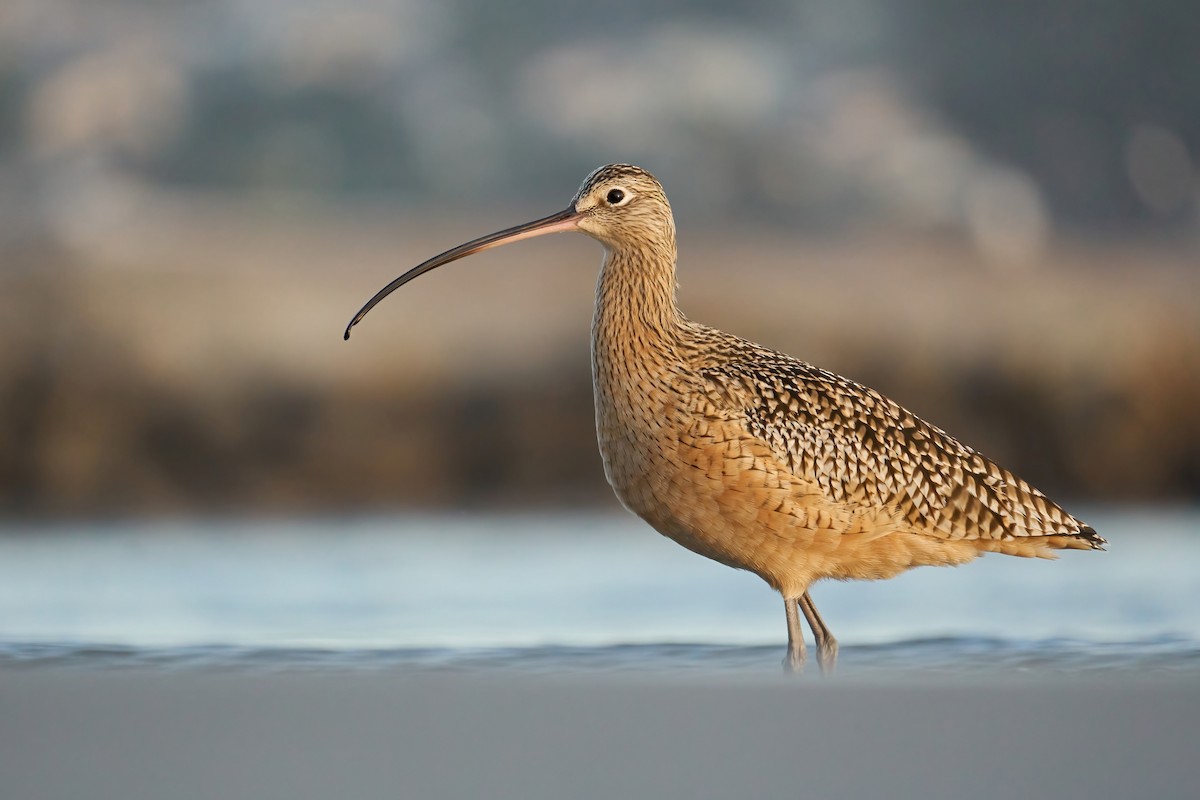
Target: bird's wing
(864, 450)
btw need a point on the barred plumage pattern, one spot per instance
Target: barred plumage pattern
(863, 449)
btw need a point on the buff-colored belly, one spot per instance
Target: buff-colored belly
(721, 493)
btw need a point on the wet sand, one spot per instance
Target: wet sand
(197, 734)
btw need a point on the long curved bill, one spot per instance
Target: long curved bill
(565, 220)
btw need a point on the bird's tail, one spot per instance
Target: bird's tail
(1087, 539)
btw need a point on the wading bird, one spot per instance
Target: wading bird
(755, 459)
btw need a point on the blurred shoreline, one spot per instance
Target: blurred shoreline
(191, 360)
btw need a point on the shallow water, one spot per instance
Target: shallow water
(561, 593)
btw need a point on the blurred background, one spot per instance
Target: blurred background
(990, 212)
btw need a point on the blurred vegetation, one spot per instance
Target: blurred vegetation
(990, 212)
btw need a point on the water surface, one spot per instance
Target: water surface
(567, 592)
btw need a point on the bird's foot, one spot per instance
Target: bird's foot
(793, 662)
(827, 652)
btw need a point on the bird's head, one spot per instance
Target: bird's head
(624, 206)
(620, 205)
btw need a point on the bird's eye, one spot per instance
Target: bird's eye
(615, 196)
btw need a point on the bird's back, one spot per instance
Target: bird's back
(865, 452)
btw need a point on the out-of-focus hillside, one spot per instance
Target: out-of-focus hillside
(199, 363)
(999, 121)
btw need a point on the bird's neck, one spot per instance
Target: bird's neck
(635, 301)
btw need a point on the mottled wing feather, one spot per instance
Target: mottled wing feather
(864, 450)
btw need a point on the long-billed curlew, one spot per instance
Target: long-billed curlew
(755, 459)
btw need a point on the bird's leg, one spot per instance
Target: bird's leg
(827, 646)
(793, 662)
